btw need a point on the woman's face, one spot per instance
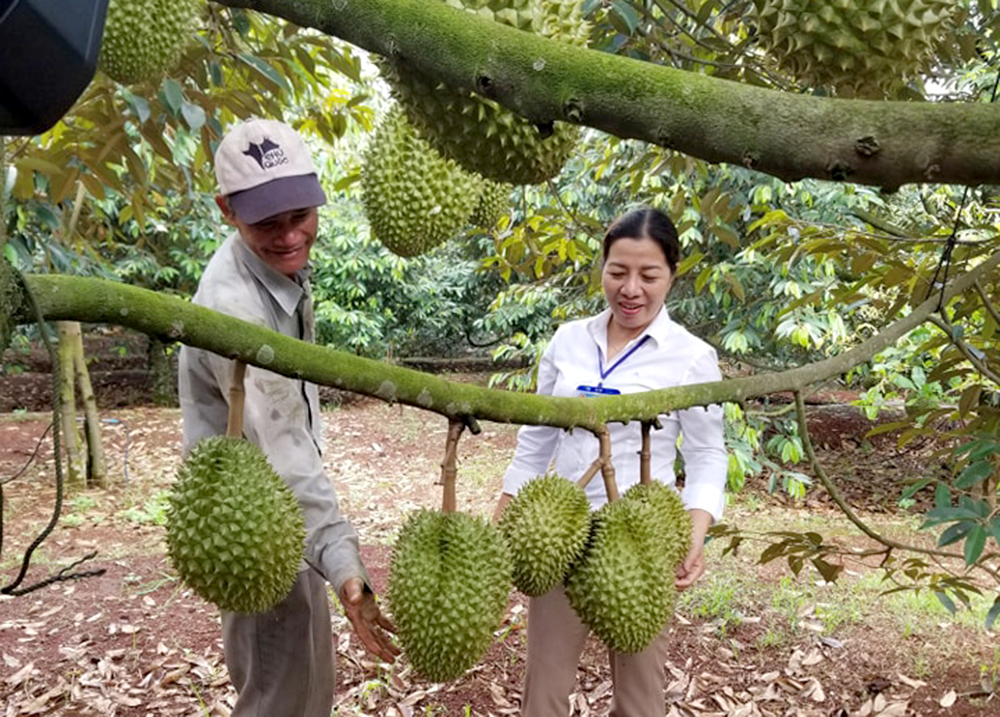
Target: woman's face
(636, 279)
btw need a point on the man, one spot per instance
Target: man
(282, 661)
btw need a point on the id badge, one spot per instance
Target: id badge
(591, 391)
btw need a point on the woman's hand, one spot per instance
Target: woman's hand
(693, 566)
(501, 504)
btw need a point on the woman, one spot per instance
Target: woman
(630, 347)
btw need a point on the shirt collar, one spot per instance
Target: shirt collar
(285, 291)
(657, 330)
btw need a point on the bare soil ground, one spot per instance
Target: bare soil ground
(133, 641)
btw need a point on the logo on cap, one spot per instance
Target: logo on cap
(267, 154)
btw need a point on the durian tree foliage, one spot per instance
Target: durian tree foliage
(787, 135)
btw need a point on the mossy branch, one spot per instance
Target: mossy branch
(169, 318)
(785, 134)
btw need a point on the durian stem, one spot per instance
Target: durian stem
(645, 474)
(607, 467)
(591, 472)
(449, 467)
(234, 426)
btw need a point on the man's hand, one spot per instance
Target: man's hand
(369, 623)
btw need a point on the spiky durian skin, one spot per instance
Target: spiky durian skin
(414, 198)
(477, 132)
(672, 518)
(11, 299)
(493, 200)
(145, 38)
(449, 581)
(545, 527)
(235, 533)
(865, 49)
(622, 587)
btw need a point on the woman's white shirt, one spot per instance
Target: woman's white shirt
(665, 355)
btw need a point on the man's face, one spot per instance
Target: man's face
(283, 241)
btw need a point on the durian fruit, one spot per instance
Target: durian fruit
(622, 587)
(673, 519)
(545, 527)
(449, 581)
(235, 533)
(865, 49)
(11, 299)
(414, 198)
(145, 38)
(493, 200)
(477, 132)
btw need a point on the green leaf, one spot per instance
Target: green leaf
(173, 96)
(623, 17)
(973, 475)
(942, 495)
(955, 532)
(193, 115)
(948, 603)
(991, 616)
(827, 570)
(974, 544)
(265, 69)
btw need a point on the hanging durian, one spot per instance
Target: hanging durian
(865, 49)
(493, 200)
(414, 199)
(235, 532)
(622, 587)
(477, 132)
(545, 527)
(672, 518)
(448, 586)
(144, 38)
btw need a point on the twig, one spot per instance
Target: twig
(31, 458)
(966, 350)
(987, 304)
(800, 408)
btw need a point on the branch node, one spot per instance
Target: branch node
(867, 146)
(573, 110)
(839, 171)
(484, 85)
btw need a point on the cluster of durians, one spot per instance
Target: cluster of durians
(451, 573)
(443, 158)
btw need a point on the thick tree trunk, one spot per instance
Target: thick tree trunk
(790, 136)
(71, 442)
(97, 471)
(162, 371)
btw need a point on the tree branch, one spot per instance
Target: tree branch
(787, 135)
(100, 301)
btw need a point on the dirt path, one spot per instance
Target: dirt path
(133, 641)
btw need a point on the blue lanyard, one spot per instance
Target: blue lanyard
(616, 364)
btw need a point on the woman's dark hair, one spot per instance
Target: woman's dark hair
(642, 223)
